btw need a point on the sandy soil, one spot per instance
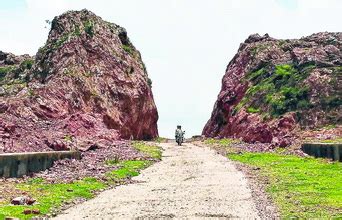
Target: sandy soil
(189, 182)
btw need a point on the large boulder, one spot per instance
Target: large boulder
(87, 85)
(273, 89)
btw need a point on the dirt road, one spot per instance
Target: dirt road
(189, 182)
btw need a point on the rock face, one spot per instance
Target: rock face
(86, 87)
(273, 89)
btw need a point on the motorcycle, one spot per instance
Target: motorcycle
(180, 138)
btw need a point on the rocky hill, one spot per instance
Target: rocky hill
(274, 89)
(87, 86)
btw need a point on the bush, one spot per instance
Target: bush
(27, 64)
(89, 28)
(128, 49)
(149, 82)
(253, 110)
(284, 70)
(4, 70)
(277, 90)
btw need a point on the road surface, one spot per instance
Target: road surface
(189, 182)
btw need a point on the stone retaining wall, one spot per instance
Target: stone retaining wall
(19, 164)
(332, 151)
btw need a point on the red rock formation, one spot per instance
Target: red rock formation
(87, 86)
(273, 88)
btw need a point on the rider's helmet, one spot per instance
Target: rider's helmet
(179, 127)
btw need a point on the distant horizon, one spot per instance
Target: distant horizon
(186, 45)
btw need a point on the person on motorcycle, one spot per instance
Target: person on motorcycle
(179, 135)
(178, 131)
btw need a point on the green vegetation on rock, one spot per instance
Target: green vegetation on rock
(300, 187)
(128, 49)
(276, 90)
(149, 82)
(89, 28)
(77, 31)
(60, 41)
(253, 110)
(27, 64)
(5, 70)
(68, 138)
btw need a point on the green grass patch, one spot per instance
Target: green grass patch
(128, 169)
(112, 162)
(50, 196)
(160, 140)
(152, 151)
(333, 141)
(328, 127)
(224, 142)
(300, 187)
(337, 140)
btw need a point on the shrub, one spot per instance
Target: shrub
(128, 49)
(27, 64)
(284, 70)
(276, 89)
(253, 110)
(89, 28)
(77, 31)
(60, 41)
(149, 82)
(31, 92)
(4, 70)
(254, 75)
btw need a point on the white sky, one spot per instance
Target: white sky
(185, 44)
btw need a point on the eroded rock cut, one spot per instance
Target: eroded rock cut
(86, 87)
(273, 89)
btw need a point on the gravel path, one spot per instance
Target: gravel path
(189, 182)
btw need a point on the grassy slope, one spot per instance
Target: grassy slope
(301, 187)
(128, 169)
(224, 142)
(150, 150)
(50, 196)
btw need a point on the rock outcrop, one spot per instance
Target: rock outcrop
(86, 87)
(273, 89)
